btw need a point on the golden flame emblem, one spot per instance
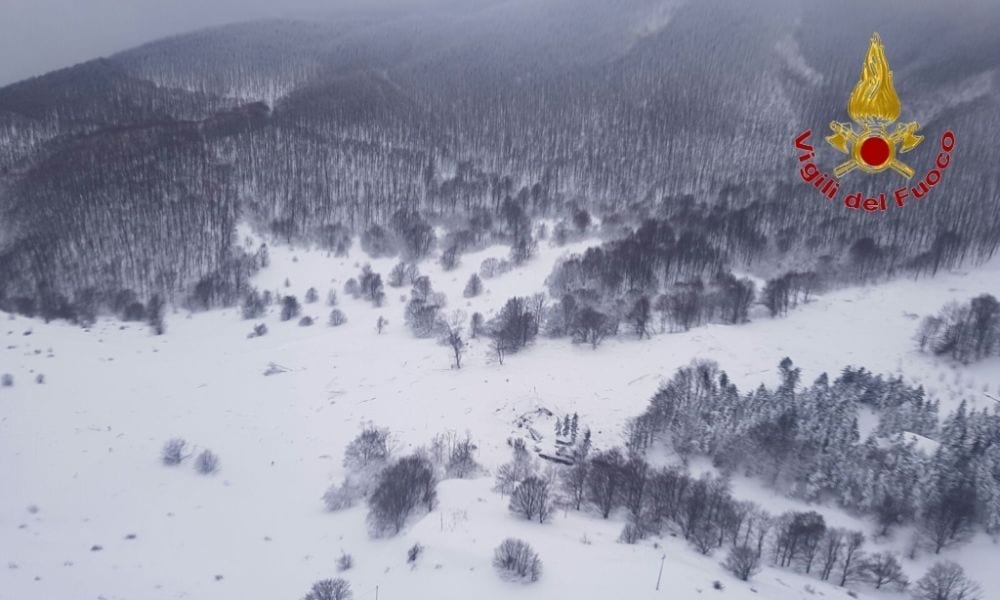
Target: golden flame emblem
(873, 106)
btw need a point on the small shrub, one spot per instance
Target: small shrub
(305, 321)
(531, 499)
(343, 496)
(351, 288)
(345, 562)
(7, 380)
(630, 534)
(258, 330)
(40, 378)
(414, 553)
(462, 459)
(330, 589)
(718, 585)
(337, 317)
(173, 452)
(474, 287)
(312, 295)
(401, 487)
(743, 562)
(207, 462)
(289, 308)
(514, 559)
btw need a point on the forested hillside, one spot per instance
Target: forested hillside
(128, 175)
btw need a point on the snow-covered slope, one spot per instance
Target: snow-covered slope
(79, 454)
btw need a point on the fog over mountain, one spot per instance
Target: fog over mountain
(131, 172)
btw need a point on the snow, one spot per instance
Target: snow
(84, 446)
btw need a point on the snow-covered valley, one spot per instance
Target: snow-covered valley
(87, 510)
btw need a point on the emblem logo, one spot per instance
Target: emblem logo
(874, 106)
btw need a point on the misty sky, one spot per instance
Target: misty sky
(37, 36)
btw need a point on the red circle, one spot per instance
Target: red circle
(875, 151)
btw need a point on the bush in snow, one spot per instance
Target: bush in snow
(343, 496)
(330, 589)
(351, 288)
(474, 287)
(254, 305)
(631, 533)
(514, 559)
(531, 499)
(312, 295)
(449, 258)
(743, 562)
(401, 488)
(373, 446)
(7, 380)
(509, 475)
(365, 458)
(331, 298)
(207, 462)
(462, 459)
(289, 308)
(305, 321)
(946, 581)
(345, 562)
(414, 553)
(173, 452)
(883, 569)
(492, 267)
(337, 317)
(258, 330)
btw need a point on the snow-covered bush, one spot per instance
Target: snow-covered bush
(289, 308)
(7, 380)
(531, 499)
(173, 452)
(401, 488)
(305, 321)
(343, 496)
(337, 317)
(474, 287)
(462, 459)
(258, 330)
(630, 534)
(345, 562)
(514, 559)
(330, 589)
(312, 295)
(207, 462)
(373, 446)
(743, 562)
(254, 305)
(946, 581)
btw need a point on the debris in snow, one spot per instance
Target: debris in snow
(275, 368)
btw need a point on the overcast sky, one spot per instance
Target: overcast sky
(37, 36)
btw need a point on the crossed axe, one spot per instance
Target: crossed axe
(848, 141)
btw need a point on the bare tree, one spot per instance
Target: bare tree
(946, 581)
(402, 487)
(743, 562)
(453, 330)
(531, 499)
(882, 569)
(330, 589)
(850, 564)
